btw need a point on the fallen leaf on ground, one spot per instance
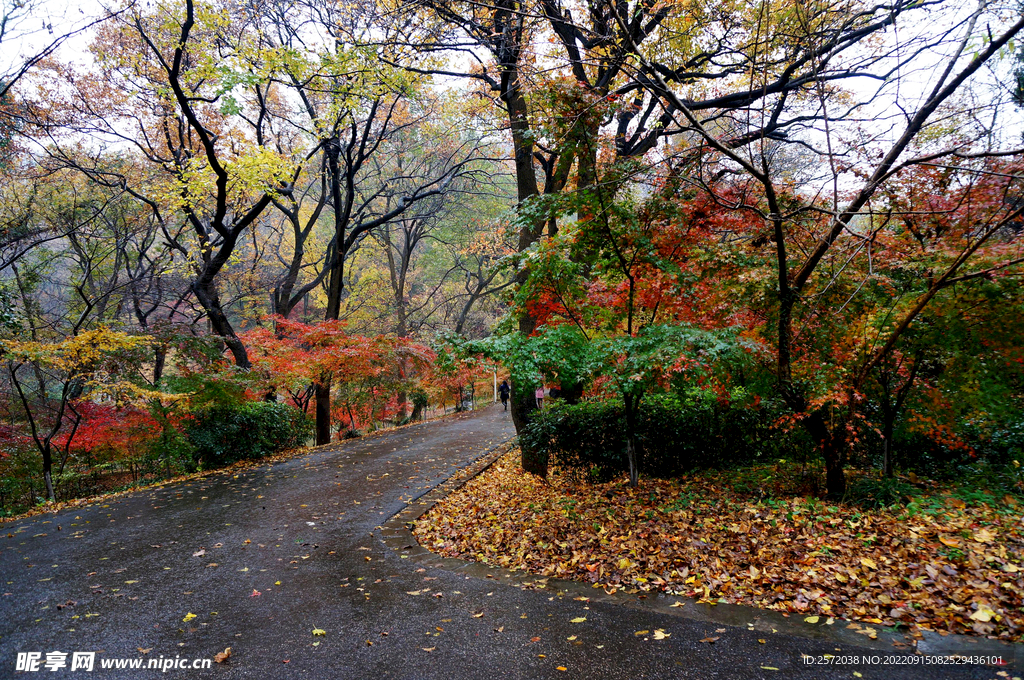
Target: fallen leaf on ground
(221, 657)
(983, 535)
(811, 557)
(984, 613)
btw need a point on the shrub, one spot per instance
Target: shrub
(224, 433)
(877, 494)
(994, 444)
(674, 436)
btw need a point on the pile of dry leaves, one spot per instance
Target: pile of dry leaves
(951, 568)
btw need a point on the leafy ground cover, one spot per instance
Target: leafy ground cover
(940, 562)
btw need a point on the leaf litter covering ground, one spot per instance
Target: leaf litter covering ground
(958, 570)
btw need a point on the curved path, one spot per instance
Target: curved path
(263, 557)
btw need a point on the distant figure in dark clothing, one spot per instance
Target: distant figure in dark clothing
(555, 393)
(504, 390)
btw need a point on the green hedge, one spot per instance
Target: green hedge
(674, 436)
(224, 433)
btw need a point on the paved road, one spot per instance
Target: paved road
(264, 557)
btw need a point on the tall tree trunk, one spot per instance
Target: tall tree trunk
(47, 477)
(323, 413)
(335, 286)
(833, 450)
(524, 406)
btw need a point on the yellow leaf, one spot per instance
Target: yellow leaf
(769, 668)
(319, 631)
(951, 542)
(660, 634)
(188, 617)
(561, 668)
(868, 562)
(641, 632)
(811, 619)
(984, 613)
(983, 535)
(579, 619)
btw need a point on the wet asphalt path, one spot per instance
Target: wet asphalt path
(265, 557)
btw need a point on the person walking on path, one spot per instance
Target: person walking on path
(504, 391)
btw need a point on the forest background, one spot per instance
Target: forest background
(778, 231)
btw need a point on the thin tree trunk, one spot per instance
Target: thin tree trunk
(887, 428)
(47, 477)
(833, 451)
(631, 405)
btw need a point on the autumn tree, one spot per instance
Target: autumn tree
(580, 123)
(358, 114)
(92, 360)
(194, 116)
(876, 197)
